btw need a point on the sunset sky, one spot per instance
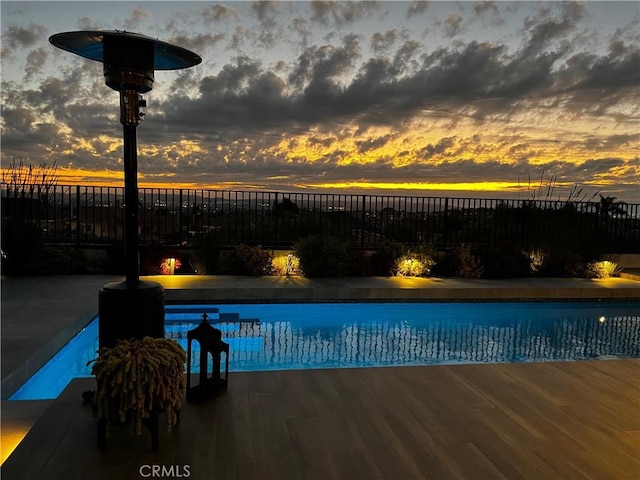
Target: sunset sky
(417, 98)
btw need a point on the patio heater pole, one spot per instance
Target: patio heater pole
(129, 309)
(129, 116)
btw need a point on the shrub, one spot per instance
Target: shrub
(384, 259)
(494, 264)
(59, 261)
(206, 255)
(115, 263)
(503, 262)
(564, 264)
(359, 262)
(285, 263)
(537, 259)
(152, 257)
(414, 264)
(322, 256)
(253, 260)
(467, 264)
(459, 262)
(20, 242)
(156, 259)
(601, 269)
(169, 265)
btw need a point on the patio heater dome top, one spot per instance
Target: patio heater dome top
(90, 44)
(129, 58)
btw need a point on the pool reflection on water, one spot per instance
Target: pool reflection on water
(340, 335)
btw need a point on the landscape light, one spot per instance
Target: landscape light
(285, 264)
(168, 266)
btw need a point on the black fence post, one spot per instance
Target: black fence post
(444, 218)
(77, 215)
(364, 216)
(275, 221)
(180, 218)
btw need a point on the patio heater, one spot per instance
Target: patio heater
(133, 308)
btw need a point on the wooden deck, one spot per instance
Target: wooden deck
(566, 420)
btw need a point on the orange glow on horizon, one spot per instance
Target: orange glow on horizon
(460, 186)
(109, 178)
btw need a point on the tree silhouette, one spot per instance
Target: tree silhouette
(286, 206)
(609, 207)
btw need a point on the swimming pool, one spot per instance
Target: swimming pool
(337, 335)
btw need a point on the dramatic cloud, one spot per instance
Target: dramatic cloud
(416, 8)
(23, 37)
(36, 59)
(341, 13)
(383, 42)
(452, 24)
(20, 37)
(488, 10)
(199, 42)
(314, 95)
(137, 16)
(219, 13)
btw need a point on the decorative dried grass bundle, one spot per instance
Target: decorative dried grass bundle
(137, 376)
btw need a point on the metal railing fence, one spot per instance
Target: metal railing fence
(89, 215)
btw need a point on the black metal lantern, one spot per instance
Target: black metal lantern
(131, 308)
(211, 346)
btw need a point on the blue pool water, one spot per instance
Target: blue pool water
(335, 335)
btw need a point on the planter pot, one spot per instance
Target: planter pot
(151, 423)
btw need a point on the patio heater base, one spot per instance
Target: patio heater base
(130, 312)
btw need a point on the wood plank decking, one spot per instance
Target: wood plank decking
(565, 420)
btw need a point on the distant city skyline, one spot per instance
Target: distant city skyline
(479, 99)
